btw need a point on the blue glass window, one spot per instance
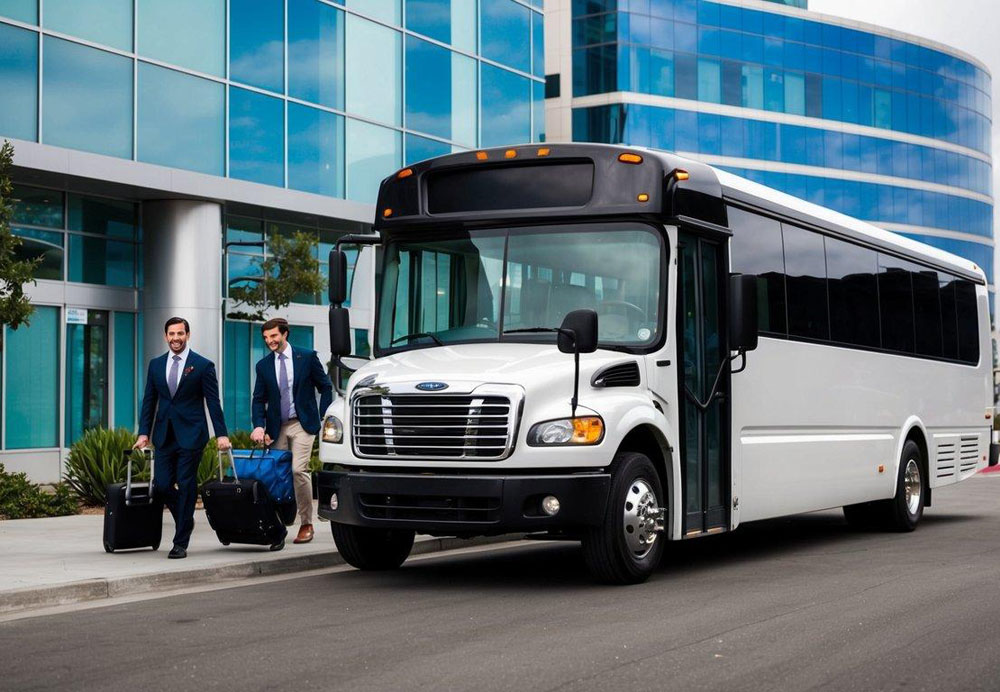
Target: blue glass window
(374, 82)
(444, 20)
(22, 10)
(882, 108)
(94, 260)
(421, 148)
(46, 245)
(101, 21)
(795, 94)
(538, 112)
(189, 33)
(34, 383)
(257, 43)
(19, 82)
(102, 216)
(256, 139)
(315, 150)
(181, 122)
(125, 369)
(709, 81)
(506, 113)
(385, 10)
(753, 86)
(316, 53)
(373, 152)
(774, 90)
(440, 91)
(88, 99)
(537, 45)
(504, 26)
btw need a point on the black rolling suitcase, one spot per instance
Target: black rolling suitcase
(242, 511)
(133, 517)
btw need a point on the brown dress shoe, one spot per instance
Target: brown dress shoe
(305, 534)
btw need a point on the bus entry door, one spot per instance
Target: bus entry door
(704, 383)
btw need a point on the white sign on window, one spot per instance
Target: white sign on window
(76, 316)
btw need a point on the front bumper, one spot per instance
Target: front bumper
(463, 504)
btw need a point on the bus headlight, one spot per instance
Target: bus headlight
(333, 430)
(585, 430)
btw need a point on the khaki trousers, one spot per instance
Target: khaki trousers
(292, 437)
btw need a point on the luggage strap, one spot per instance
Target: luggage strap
(148, 456)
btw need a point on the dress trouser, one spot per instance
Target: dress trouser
(177, 483)
(294, 438)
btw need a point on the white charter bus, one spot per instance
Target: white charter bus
(624, 347)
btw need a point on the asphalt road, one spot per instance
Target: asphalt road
(796, 603)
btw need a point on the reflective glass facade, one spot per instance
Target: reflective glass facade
(270, 91)
(893, 131)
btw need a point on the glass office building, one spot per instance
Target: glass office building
(159, 145)
(887, 127)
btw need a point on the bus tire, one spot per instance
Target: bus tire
(372, 549)
(903, 511)
(625, 549)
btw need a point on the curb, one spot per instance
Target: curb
(32, 598)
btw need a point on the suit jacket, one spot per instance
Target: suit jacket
(308, 377)
(185, 411)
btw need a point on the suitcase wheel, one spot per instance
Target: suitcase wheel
(108, 548)
(224, 542)
(275, 547)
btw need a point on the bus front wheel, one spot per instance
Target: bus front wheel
(372, 549)
(626, 547)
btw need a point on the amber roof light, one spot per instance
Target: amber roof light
(629, 158)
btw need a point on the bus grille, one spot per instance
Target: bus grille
(432, 426)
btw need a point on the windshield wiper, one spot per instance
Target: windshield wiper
(417, 335)
(532, 330)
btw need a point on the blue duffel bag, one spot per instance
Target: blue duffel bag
(272, 467)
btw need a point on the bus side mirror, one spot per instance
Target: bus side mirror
(337, 288)
(340, 332)
(743, 329)
(583, 323)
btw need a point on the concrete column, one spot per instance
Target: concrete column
(182, 263)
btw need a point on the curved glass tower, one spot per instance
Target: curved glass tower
(887, 127)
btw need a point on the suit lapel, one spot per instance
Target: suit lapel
(189, 366)
(160, 374)
(298, 362)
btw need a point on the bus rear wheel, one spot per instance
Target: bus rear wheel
(627, 546)
(372, 549)
(903, 511)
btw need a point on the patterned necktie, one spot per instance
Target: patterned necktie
(284, 389)
(172, 380)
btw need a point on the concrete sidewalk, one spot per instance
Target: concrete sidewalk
(61, 560)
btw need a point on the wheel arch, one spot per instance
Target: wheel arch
(648, 439)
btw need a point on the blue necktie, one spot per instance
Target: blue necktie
(172, 380)
(284, 389)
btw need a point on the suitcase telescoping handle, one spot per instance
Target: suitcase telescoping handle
(232, 462)
(147, 454)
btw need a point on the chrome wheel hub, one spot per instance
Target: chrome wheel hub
(912, 486)
(643, 518)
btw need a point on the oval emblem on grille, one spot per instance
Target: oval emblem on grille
(432, 386)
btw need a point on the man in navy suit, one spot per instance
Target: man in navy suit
(284, 409)
(179, 384)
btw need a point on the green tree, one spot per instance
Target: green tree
(15, 308)
(289, 269)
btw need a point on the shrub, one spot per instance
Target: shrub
(21, 499)
(96, 461)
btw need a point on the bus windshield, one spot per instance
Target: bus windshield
(472, 286)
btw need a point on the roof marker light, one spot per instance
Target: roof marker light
(509, 154)
(543, 152)
(482, 155)
(630, 158)
(643, 197)
(405, 173)
(387, 212)
(681, 174)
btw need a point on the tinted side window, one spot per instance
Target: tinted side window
(927, 312)
(968, 323)
(756, 249)
(851, 272)
(805, 282)
(949, 317)
(895, 290)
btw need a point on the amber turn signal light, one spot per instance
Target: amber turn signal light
(405, 173)
(643, 197)
(387, 212)
(587, 430)
(681, 175)
(630, 158)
